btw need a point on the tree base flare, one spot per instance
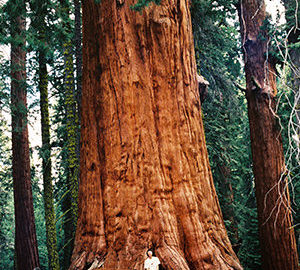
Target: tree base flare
(145, 178)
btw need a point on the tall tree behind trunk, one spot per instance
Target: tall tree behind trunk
(277, 239)
(46, 156)
(78, 59)
(25, 233)
(145, 178)
(72, 138)
(72, 124)
(78, 54)
(39, 9)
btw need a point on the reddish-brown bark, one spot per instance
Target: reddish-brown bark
(277, 237)
(145, 176)
(25, 235)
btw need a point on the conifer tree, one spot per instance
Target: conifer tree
(25, 232)
(277, 239)
(72, 130)
(40, 9)
(78, 53)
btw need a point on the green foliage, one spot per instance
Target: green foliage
(249, 252)
(39, 215)
(141, 4)
(6, 199)
(4, 86)
(9, 12)
(292, 15)
(216, 43)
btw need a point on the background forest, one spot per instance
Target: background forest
(54, 68)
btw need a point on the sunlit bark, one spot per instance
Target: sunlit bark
(145, 177)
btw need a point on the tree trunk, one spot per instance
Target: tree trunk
(25, 234)
(39, 10)
(78, 53)
(72, 137)
(277, 238)
(53, 259)
(78, 60)
(72, 134)
(145, 176)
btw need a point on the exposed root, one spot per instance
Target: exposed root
(87, 261)
(226, 255)
(172, 257)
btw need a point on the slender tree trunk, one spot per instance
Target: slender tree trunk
(72, 140)
(277, 237)
(39, 10)
(46, 157)
(25, 234)
(145, 176)
(72, 134)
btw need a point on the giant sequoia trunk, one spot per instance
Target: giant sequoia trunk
(145, 176)
(25, 235)
(277, 238)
